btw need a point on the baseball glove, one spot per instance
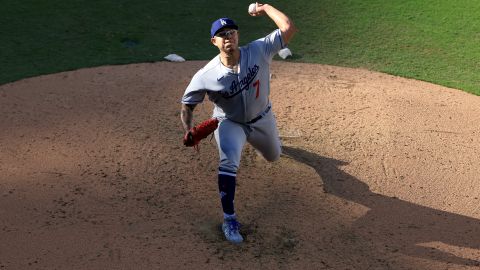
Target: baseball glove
(200, 132)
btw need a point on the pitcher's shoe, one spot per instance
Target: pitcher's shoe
(231, 228)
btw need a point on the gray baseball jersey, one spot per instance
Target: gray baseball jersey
(238, 96)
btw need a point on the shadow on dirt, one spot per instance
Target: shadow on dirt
(403, 226)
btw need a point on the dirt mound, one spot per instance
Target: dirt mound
(378, 172)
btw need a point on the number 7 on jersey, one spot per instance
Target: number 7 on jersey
(256, 84)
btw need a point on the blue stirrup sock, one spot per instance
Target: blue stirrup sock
(226, 187)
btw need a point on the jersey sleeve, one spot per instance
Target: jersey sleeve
(271, 44)
(195, 92)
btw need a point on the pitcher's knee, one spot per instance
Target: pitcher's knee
(271, 156)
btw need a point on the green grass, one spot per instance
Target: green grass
(435, 41)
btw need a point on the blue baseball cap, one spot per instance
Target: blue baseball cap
(222, 23)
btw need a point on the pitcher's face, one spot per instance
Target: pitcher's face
(226, 40)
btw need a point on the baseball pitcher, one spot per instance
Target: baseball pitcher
(237, 81)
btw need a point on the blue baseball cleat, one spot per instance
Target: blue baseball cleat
(231, 228)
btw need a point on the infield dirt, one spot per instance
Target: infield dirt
(378, 172)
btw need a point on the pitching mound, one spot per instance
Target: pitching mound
(378, 172)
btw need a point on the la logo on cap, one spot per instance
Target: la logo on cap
(223, 22)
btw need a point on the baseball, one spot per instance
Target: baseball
(252, 8)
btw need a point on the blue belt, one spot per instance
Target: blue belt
(260, 116)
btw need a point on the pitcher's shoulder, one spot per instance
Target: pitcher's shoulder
(212, 64)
